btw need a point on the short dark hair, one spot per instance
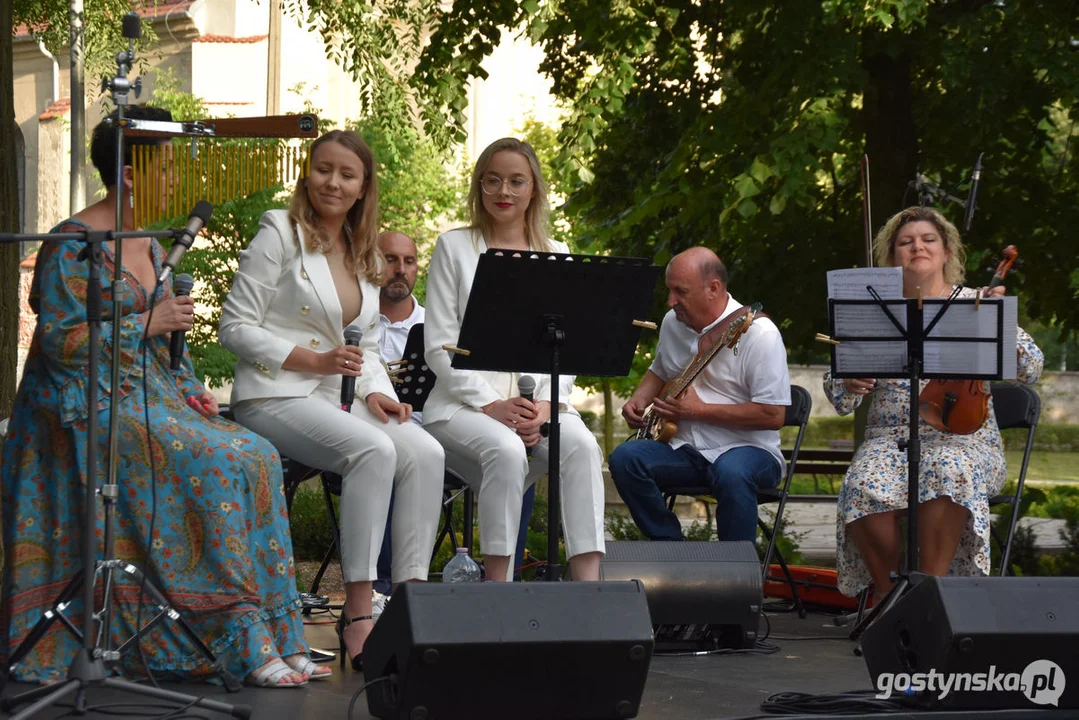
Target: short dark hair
(103, 141)
(714, 269)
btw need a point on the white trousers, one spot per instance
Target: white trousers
(477, 441)
(371, 457)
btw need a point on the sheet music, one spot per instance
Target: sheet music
(850, 284)
(871, 358)
(963, 320)
(869, 320)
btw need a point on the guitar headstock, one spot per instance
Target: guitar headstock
(739, 327)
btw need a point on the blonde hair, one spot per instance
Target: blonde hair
(954, 264)
(538, 214)
(361, 222)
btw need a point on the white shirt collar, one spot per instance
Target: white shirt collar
(410, 320)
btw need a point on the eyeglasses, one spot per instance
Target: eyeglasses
(492, 185)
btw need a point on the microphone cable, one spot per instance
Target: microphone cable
(144, 350)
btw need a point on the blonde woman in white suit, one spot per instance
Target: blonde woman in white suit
(308, 274)
(479, 416)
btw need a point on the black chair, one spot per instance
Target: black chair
(1015, 406)
(797, 415)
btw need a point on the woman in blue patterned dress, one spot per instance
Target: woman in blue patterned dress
(958, 473)
(220, 550)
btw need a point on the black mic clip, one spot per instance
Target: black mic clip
(928, 193)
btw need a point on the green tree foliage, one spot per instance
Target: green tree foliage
(170, 96)
(377, 43)
(739, 125)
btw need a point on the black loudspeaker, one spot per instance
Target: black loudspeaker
(964, 642)
(538, 650)
(701, 595)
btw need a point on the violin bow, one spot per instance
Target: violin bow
(867, 216)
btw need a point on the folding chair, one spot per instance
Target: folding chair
(1015, 406)
(797, 415)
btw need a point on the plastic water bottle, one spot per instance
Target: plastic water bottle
(461, 568)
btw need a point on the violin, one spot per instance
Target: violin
(961, 407)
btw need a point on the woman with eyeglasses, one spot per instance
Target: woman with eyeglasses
(479, 417)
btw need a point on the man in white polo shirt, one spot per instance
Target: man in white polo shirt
(728, 419)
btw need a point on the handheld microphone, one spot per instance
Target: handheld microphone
(181, 285)
(526, 386)
(353, 335)
(972, 197)
(195, 222)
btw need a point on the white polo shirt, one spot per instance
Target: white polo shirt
(758, 373)
(391, 346)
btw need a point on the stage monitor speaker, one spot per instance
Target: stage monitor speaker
(965, 642)
(538, 650)
(701, 595)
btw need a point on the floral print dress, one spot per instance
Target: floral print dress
(969, 469)
(220, 550)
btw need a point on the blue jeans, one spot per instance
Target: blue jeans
(643, 469)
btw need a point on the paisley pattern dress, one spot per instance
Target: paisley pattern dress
(220, 549)
(969, 469)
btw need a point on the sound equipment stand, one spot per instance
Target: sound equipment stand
(88, 668)
(554, 314)
(880, 345)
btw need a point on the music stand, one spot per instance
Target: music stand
(412, 377)
(555, 314)
(919, 339)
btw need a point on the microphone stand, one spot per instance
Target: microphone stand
(929, 193)
(88, 666)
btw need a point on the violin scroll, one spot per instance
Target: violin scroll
(1008, 257)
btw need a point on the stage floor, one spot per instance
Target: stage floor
(813, 657)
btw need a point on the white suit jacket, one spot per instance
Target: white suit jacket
(283, 296)
(449, 283)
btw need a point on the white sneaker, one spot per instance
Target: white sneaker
(378, 603)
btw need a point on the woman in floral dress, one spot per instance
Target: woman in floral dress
(958, 473)
(220, 549)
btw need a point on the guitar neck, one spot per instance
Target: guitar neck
(690, 373)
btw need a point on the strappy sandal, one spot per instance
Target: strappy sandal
(342, 623)
(272, 674)
(303, 664)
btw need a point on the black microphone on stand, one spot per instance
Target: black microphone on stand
(181, 285)
(353, 335)
(195, 222)
(526, 386)
(972, 196)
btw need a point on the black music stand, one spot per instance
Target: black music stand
(412, 378)
(554, 314)
(918, 339)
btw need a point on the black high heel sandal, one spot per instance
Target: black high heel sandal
(342, 623)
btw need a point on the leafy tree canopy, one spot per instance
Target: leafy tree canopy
(739, 125)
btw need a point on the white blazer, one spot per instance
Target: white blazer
(282, 296)
(449, 283)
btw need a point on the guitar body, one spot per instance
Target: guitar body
(656, 428)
